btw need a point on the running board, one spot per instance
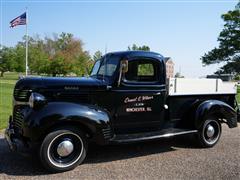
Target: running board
(127, 138)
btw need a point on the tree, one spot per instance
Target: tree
(97, 55)
(57, 66)
(19, 58)
(229, 44)
(38, 61)
(33, 58)
(6, 60)
(71, 50)
(138, 48)
(82, 66)
(232, 67)
(57, 55)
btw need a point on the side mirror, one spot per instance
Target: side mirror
(123, 69)
(124, 66)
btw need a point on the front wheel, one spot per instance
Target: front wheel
(63, 149)
(210, 132)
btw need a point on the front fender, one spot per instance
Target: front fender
(216, 107)
(92, 117)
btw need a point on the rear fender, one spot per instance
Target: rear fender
(218, 108)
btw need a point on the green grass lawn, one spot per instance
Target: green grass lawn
(6, 90)
(238, 95)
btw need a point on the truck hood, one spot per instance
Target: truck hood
(67, 83)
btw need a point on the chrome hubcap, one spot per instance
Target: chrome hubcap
(210, 131)
(65, 148)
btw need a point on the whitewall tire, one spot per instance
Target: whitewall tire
(210, 132)
(63, 149)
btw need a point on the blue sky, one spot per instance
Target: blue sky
(183, 30)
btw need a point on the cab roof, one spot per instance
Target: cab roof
(129, 54)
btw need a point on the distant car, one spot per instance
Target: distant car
(126, 99)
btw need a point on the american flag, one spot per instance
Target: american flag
(20, 20)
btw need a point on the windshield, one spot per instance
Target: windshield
(105, 67)
(95, 68)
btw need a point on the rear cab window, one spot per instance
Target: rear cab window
(145, 71)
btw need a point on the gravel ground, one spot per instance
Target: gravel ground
(175, 158)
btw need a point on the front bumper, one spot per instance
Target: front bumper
(15, 143)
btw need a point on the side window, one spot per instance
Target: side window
(143, 70)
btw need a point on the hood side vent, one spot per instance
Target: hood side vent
(21, 94)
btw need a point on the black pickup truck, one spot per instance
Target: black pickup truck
(127, 98)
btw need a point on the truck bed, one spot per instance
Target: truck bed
(188, 86)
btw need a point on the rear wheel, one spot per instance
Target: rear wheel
(210, 132)
(63, 149)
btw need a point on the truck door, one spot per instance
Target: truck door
(141, 96)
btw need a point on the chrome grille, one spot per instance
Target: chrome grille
(107, 133)
(17, 118)
(21, 94)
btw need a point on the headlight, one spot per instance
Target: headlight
(37, 100)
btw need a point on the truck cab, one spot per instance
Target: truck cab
(127, 98)
(139, 93)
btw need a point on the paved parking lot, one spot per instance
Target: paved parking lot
(175, 158)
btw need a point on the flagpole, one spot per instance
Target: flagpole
(26, 65)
